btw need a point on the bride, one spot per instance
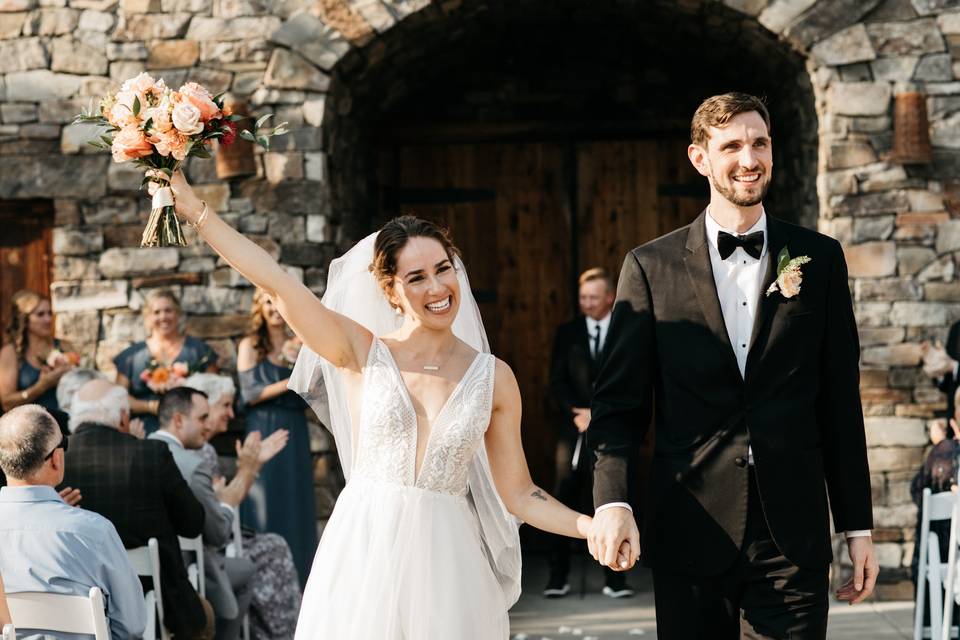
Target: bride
(423, 543)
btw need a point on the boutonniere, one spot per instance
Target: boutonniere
(789, 276)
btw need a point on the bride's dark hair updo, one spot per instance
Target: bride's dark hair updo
(393, 237)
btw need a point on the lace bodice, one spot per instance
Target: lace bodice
(387, 435)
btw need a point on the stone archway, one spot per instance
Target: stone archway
(551, 131)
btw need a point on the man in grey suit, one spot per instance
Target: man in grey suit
(182, 414)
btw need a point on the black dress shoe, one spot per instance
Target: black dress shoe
(557, 587)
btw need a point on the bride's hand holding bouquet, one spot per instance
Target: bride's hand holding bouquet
(157, 129)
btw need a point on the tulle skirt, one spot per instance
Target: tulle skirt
(401, 563)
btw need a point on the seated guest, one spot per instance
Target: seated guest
(71, 382)
(276, 585)
(137, 486)
(183, 415)
(49, 546)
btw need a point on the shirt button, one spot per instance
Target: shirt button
(744, 262)
(744, 303)
(743, 345)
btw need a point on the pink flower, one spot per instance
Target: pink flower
(130, 143)
(199, 97)
(143, 83)
(180, 369)
(171, 143)
(186, 118)
(788, 282)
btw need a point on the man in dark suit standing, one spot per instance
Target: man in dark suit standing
(136, 485)
(573, 368)
(737, 334)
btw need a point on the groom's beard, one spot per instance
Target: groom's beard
(742, 201)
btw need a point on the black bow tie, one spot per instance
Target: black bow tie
(752, 243)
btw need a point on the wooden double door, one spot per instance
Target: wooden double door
(26, 255)
(529, 218)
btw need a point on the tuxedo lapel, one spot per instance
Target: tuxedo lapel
(766, 305)
(700, 272)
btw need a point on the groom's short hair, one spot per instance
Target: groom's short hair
(717, 111)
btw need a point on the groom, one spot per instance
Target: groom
(752, 380)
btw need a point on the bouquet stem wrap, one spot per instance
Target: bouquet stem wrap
(163, 227)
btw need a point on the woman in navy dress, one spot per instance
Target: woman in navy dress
(33, 361)
(149, 367)
(282, 501)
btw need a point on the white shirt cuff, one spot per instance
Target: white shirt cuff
(229, 507)
(857, 533)
(611, 505)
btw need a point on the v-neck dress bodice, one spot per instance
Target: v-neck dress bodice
(402, 556)
(387, 437)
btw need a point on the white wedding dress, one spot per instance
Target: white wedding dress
(402, 557)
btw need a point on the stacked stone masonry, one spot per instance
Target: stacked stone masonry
(899, 224)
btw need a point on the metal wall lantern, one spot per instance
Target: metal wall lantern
(911, 131)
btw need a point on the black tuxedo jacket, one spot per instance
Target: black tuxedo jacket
(136, 485)
(572, 374)
(798, 404)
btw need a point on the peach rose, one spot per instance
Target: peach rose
(201, 99)
(789, 282)
(130, 143)
(171, 143)
(160, 116)
(143, 83)
(186, 118)
(180, 369)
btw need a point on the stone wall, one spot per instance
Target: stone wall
(900, 224)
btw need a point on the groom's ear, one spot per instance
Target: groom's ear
(698, 158)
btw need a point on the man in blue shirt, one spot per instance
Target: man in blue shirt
(46, 545)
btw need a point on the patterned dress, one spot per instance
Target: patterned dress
(136, 359)
(282, 499)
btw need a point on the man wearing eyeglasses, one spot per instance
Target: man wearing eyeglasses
(49, 546)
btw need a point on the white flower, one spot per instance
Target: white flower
(186, 118)
(789, 278)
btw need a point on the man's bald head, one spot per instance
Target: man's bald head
(27, 434)
(101, 402)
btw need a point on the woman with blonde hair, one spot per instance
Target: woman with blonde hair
(282, 501)
(33, 360)
(149, 368)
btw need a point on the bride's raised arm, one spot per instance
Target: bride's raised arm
(332, 336)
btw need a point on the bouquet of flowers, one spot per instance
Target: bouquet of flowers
(58, 358)
(160, 378)
(157, 128)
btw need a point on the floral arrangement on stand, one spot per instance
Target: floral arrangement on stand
(157, 129)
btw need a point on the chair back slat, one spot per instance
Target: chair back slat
(60, 612)
(940, 506)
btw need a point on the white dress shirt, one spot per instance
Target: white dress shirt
(738, 280)
(604, 324)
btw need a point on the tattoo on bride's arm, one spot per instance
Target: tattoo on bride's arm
(538, 495)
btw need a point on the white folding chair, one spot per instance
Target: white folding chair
(934, 507)
(146, 562)
(195, 569)
(59, 612)
(235, 550)
(951, 588)
(9, 633)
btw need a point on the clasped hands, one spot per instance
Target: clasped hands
(613, 538)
